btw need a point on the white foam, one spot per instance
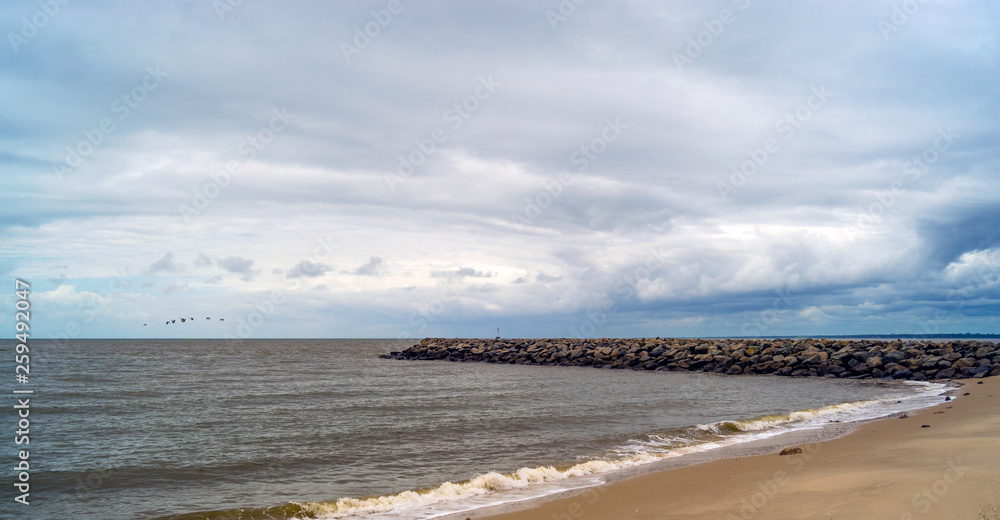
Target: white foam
(527, 483)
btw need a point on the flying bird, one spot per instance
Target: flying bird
(173, 321)
(210, 319)
(183, 320)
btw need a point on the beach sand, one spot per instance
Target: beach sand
(888, 469)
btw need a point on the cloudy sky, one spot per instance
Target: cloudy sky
(410, 169)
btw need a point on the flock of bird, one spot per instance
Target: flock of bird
(184, 320)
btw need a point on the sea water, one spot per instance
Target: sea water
(248, 429)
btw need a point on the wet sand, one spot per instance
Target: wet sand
(889, 469)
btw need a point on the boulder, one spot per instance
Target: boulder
(902, 373)
(945, 374)
(979, 371)
(983, 352)
(893, 356)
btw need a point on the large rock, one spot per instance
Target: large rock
(983, 352)
(945, 374)
(952, 356)
(894, 356)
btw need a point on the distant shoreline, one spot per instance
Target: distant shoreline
(967, 335)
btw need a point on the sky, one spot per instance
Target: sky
(553, 168)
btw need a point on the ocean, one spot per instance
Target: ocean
(273, 429)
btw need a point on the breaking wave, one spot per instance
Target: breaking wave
(495, 488)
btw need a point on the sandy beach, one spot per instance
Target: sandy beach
(938, 463)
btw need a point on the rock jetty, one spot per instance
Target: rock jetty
(852, 359)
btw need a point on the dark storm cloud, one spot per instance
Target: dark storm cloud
(957, 230)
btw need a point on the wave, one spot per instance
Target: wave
(769, 422)
(486, 484)
(495, 488)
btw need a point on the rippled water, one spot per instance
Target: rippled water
(137, 429)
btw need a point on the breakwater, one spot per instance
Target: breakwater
(854, 359)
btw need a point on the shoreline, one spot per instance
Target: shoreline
(744, 437)
(886, 468)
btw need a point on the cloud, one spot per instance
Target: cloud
(239, 265)
(175, 288)
(462, 272)
(544, 278)
(165, 264)
(859, 207)
(375, 267)
(203, 260)
(67, 295)
(58, 280)
(308, 269)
